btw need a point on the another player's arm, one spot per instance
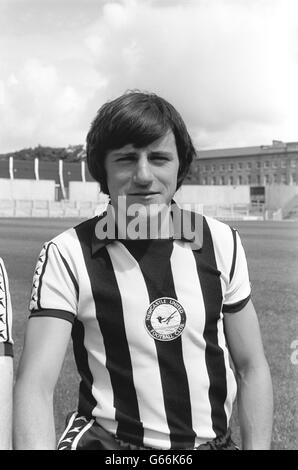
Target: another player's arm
(255, 397)
(43, 354)
(6, 362)
(6, 381)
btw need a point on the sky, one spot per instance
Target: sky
(230, 67)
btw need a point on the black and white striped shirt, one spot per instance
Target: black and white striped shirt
(6, 342)
(148, 329)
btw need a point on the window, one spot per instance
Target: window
(213, 181)
(284, 178)
(249, 165)
(231, 180)
(294, 178)
(293, 163)
(258, 179)
(267, 179)
(266, 164)
(248, 179)
(275, 178)
(283, 164)
(205, 181)
(240, 165)
(240, 179)
(231, 166)
(222, 180)
(222, 166)
(258, 164)
(275, 164)
(213, 167)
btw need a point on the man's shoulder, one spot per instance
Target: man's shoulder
(2, 271)
(219, 230)
(216, 225)
(2, 266)
(71, 234)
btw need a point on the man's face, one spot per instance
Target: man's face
(145, 175)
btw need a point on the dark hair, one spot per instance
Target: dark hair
(136, 118)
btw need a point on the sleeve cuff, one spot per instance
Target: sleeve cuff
(6, 349)
(236, 307)
(61, 314)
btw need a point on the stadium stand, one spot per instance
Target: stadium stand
(4, 168)
(22, 176)
(71, 172)
(49, 171)
(23, 169)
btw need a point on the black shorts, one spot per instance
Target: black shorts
(86, 434)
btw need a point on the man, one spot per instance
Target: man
(6, 362)
(151, 311)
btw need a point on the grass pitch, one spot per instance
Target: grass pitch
(272, 253)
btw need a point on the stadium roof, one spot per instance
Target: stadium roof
(277, 147)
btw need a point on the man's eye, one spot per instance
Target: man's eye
(127, 158)
(161, 158)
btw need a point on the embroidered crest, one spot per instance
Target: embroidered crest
(165, 319)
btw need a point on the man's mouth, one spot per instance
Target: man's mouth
(147, 193)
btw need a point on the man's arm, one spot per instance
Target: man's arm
(43, 354)
(255, 397)
(6, 381)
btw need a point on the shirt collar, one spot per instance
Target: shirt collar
(182, 222)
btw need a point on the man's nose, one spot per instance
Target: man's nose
(143, 174)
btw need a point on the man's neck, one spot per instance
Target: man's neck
(149, 222)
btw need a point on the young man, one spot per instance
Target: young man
(154, 317)
(6, 362)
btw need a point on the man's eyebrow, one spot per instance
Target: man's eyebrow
(160, 152)
(129, 153)
(134, 153)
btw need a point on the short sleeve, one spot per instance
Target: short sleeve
(238, 292)
(6, 342)
(54, 289)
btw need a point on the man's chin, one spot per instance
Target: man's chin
(133, 206)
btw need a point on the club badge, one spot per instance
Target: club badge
(165, 319)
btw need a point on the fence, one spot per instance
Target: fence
(24, 208)
(236, 211)
(86, 209)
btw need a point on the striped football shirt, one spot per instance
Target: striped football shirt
(148, 331)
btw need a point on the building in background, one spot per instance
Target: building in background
(256, 167)
(253, 166)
